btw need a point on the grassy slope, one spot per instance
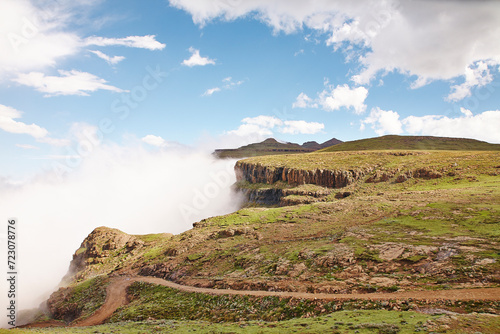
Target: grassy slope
(393, 142)
(456, 215)
(341, 322)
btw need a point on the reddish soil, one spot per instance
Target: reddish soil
(117, 296)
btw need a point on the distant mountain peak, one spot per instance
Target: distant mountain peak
(270, 141)
(272, 146)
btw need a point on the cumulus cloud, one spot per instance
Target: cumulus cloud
(112, 60)
(32, 39)
(334, 98)
(476, 76)
(68, 83)
(154, 140)
(344, 97)
(197, 60)
(251, 130)
(158, 141)
(383, 122)
(142, 42)
(483, 126)
(263, 121)
(302, 127)
(263, 126)
(304, 101)
(405, 36)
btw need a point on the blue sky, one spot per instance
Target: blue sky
(222, 73)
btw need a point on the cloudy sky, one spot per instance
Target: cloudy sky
(220, 73)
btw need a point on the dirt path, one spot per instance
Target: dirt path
(117, 295)
(458, 294)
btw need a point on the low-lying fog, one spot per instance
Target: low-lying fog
(132, 189)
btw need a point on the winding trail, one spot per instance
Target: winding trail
(117, 295)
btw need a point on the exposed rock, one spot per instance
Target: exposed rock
(256, 173)
(389, 251)
(342, 255)
(98, 246)
(484, 262)
(231, 232)
(382, 281)
(445, 252)
(297, 270)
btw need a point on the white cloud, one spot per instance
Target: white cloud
(304, 101)
(263, 126)
(431, 42)
(483, 126)
(8, 124)
(251, 130)
(196, 59)
(302, 127)
(228, 83)
(301, 51)
(68, 83)
(32, 39)
(344, 97)
(142, 42)
(35, 35)
(475, 76)
(210, 91)
(263, 121)
(154, 140)
(333, 98)
(383, 122)
(111, 60)
(27, 146)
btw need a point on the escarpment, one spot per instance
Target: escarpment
(338, 178)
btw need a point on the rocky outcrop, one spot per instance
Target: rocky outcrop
(257, 173)
(100, 246)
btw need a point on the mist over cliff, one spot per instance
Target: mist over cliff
(129, 188)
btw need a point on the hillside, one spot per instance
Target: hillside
(417, 227)
(393, 142)
(271, 146)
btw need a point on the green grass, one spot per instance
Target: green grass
(459, 162)
(160, 302)
(393, 142)
(85, 298)
(362, 322)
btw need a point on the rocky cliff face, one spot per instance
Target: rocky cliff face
(256, 173)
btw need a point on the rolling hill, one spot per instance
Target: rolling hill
(393, 142)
